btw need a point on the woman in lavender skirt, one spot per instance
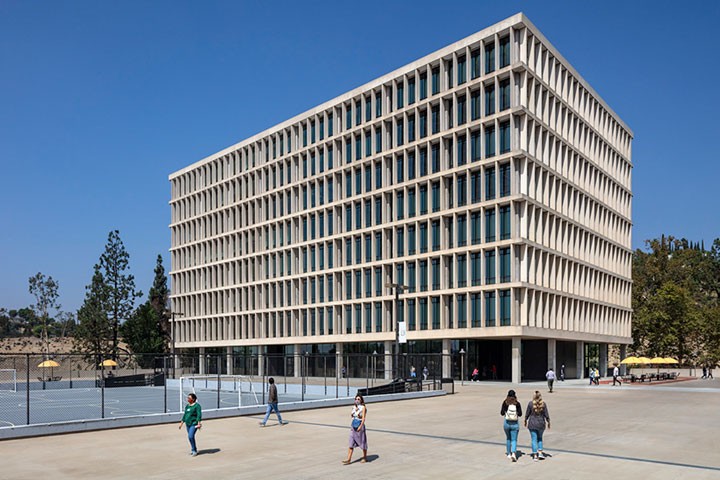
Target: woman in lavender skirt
(358, 437)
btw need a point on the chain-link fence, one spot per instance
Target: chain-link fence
(40, 388)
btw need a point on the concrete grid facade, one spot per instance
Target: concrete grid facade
(487, 177)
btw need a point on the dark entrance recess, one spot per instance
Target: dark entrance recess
(534, 354)
(483, 354)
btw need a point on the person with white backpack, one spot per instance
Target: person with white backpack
(511, 412)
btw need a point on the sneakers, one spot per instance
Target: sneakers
(541, 455)
(513, 457)
(535, 458)
(508, 455)
(261, 424)
(193, 454)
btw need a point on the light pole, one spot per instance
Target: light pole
(398, 288)
(172, 335)
(462, 366)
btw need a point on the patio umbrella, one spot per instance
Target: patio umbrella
(670, 361)
(48, 364)
(658, 361)
(644, 360)
(630, 361)
(108, 363)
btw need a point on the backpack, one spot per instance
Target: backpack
(511, 413)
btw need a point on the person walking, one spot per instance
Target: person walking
(616, 375)
(535, 420)
(550, 376)
(592, 376)
(709, 372)
(358, 436)
(597, 376)
(272, 403)
(511, 412)
(704, 371)
(192, 418)
(413, 373)
(425, 372)
(562, 372)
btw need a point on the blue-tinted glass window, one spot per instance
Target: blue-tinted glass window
(358, 150)
(476, 268)
(475, 105)
(348, 117)
(505, 222)
(462, 230)
(435, 196)
(461, 110)
(490, 57)
(504, 265)
(504, 307)
(411, 91)
(423, 124)
(330, 125)
(490, 309)
(435, 274)
(312, 132)
(358, 181)
(423, 238)
(504, 95)
(490, 225)
(399, 130)
(400, 206)
(304, 135)
(475, 146)
(462, 70)
(475, 64)
(368, 179)
(400, 96)
(505, 180)
(435, 157)
(489, 142)
(423, 162)
(412, 240)
(368, 109)
(378, 211)
(348, 219)
(358, 222)
(411, 128)
(490, 267)
(423, 275)
(504, 137)
(461, 150)
(423, 86)
(462, 189)
(368, 143)
(489, 183)
(435, 119)
(378, 175)
(435, 80)
(436, 313)
(368, 248)
(358, 113)
(400, 241)
(461, 310)
(462, 271)
(450, 78)
(368, 213)
(489, 100)
(423, 200)
(504, 52)
(435, 235)
(411, 202)
(378, 105)
(378, 281)
(411, 166)
(475, 225)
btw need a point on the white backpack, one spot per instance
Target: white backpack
(511, 413)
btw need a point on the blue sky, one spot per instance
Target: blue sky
(101, 101)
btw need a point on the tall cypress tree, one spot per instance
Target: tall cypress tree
(93, 334)
(158, 297)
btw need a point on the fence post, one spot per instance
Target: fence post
(217, 367)
(102, 388)
(27, 387)
(165, 375)
(325, 372)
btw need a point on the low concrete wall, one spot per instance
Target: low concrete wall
(76, 426)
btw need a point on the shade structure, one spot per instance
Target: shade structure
(631, 361)
(108, 363)
(644, 360)
(48, 364)
(658, 361)
(670, 361)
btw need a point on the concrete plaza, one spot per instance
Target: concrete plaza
(633, 432)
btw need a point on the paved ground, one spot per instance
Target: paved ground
(633, 432)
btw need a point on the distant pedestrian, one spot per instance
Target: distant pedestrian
(705, 372)
(413, 373)
(537, 416)
(426, 372)
(597, 376)
(493, 369)
(358, 436)
(272, 403)
(592, 376)
(709, 372)
(344, 372)
(550, 376)
(475, 375)
(511, 412)
(616, 375)
(193, 420)
(562, 372)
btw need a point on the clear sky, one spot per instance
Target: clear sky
(100, 101)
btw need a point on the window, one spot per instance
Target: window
(378, 246)
(462, 271)
(368, 109)
(476, 269)
(423, 124)
(435, 158)
(358, 222)
(411, 91)
(411, 166)
(462, 230)
(489, 142)
(423, 238)
(400, 90)
(358, 181)
(368, 213)
(358, 113)
(504, 95)
(411, 277)
(412, 248)
(400, 206)
(461, 110)
(423, 313)
(423, 276)
(435, 80)
(358, 150)
(435, 119)
(461, 150)
(475, 105)
(368, 179)
(475, 220)
(348, 219)
(461, 73)
(378, 282)
(504, 137)
(504, 265)
(399, 129)
(504, 52)
(504, 307)
(411, 202)
(378, 317)
(461, 310)
(505, 180)
(435, 313)
(475, 146)
(378, 104)
(330, 190)
(490, 225)
(304, 135)
(378, 175)
(505, 222)
(490, 57)
(435, 235)
(449, 66)
(368, 282)
(348, 285)
(435, 196)
(475, 64)
(489, 183)
(378, 211)
(423, 200)
(411, 314)
(423, 86)
(423, 162)
(348, 151)
(378, 140)
(368, 248)
(348, 117)
(490, 309)
(436, 274)
(368, 143)
(312, 132)
(489, 100)
(411, 128)
(490, 267)
(330, 125)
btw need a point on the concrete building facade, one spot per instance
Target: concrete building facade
(487, 178)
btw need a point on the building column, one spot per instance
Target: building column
(229, 360)
(297, 371)
(261, 361)
(516, 376)
(552, 354)
(603, 359)
(388, 359)
(580, 359)
(447, 358)
(340, 359)
(202, 361)
(623, 353)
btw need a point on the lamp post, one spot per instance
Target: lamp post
(398, 288)
(172, 336)
(462, 366)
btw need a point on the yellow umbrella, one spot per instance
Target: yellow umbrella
(631, 361)
(108, 363)
(670, 361)
(658, 361)
(48, 364)
(644, 360)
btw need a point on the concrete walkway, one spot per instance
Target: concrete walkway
(667, 432)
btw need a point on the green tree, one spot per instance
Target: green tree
(158, 297)
(93, 334)
(142, 334)
(45, 291)
(119, 286)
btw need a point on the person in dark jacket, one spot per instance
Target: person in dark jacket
(193, 419)
(511, 412)
(536, 417)
(272, 403)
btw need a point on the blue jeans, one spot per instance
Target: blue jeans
(270, 408)
(511, 433)
(536, 438)
(191, 436)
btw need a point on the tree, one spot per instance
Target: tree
(93, 335)
(119, 286)
(158, 297)
(142, 334)
(45, 291)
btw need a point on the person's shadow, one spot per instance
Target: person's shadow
(208, 451)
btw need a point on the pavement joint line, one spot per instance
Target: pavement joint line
(502, 444)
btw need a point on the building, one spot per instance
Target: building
(488, 178)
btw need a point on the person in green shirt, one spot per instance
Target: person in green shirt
(192, 418)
